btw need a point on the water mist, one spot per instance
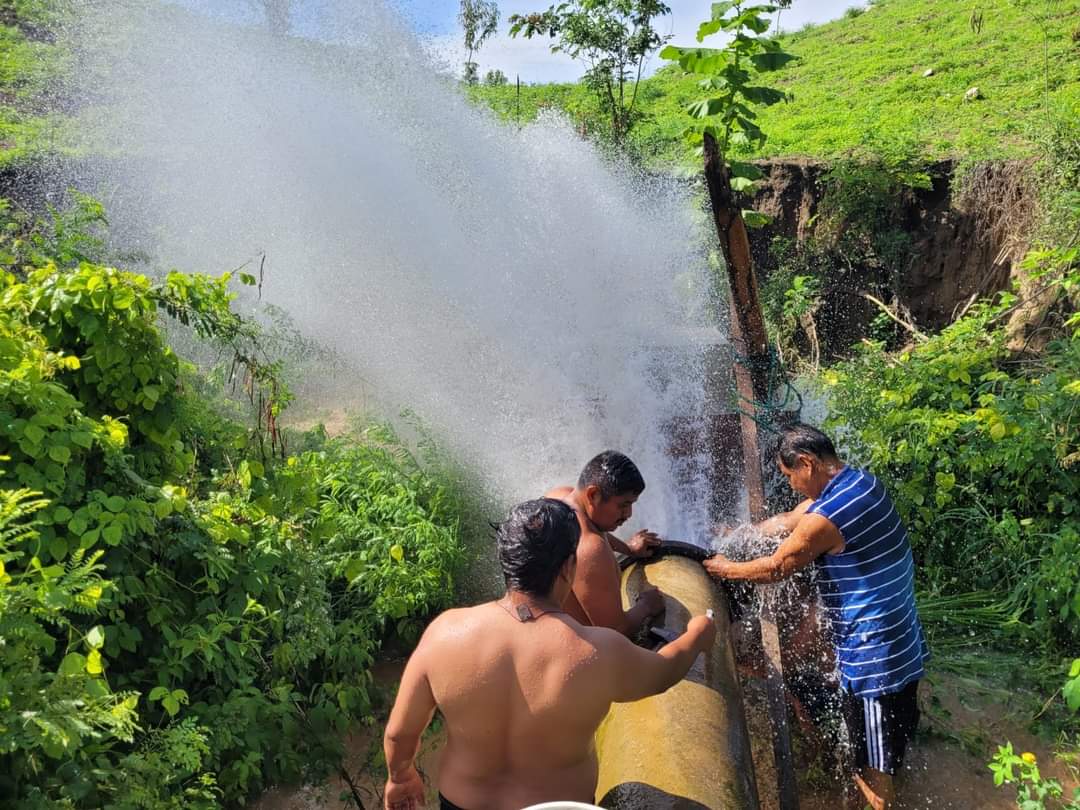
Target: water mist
(532, 302)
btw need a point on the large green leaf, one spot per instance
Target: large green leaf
(113, 534)
(739, 140)
(763, 95)
(713, 83)
(73, 664)
(755, 219)
(750, 19)
(706, 107)
(771, 60)
(722, 8)
(696, 60)
(746, 170)
(753, 131)
(707, 29)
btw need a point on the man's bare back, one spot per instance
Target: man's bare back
(522, 685)
(522, 700)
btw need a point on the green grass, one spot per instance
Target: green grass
(31, 70)
(858, 79)
(861, 78)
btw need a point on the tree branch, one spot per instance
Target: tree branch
(906, 324)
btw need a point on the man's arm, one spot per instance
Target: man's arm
(596, 586)
(640, 673)
(413, 709)
(617, 545)
(785, 522)
(813, 536)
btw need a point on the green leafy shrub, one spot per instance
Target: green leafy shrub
(979, 450)
(54, 698)
(1033, 791)
(240, 593)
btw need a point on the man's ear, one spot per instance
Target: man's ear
(593, 494)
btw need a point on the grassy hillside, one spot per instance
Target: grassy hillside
(858, 78)
(30, 69)
(861, 77)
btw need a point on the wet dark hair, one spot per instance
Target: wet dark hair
(534, 542)
(802, 439)
(614, 473)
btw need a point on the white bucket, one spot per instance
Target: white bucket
(561, 806)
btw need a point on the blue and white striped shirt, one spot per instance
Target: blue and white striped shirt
(869, 588)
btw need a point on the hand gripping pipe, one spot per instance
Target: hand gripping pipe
(688, 748)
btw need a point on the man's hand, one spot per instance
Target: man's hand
(404, 793)
(652, 600)
(643, 543)
(703, 631)
(717, 566)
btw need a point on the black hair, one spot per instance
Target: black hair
(614, 473)
(802, 439)
(533, 543)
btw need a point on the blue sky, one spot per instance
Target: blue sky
(436, 21)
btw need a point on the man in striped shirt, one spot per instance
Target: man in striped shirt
(866, 575)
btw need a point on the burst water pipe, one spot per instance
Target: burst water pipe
(688, 748)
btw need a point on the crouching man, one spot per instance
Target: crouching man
(522, 686)
(865, 571)
(604, 499)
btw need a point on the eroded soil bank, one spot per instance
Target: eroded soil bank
(961, 239)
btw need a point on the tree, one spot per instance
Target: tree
(277, 13)
(495, 78)
(726, 125)
(612, 37)
(780, 6)
(480, 19)
(726, 116)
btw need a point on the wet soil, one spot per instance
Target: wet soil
(946, 765)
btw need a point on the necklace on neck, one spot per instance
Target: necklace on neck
(523, 611)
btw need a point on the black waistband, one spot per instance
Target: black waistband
(446, 804)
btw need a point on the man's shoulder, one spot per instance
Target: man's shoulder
(559, 493)
(457, 621)
(593, 544)
(604, 642)
(845, 487)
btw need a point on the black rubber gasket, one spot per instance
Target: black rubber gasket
(668, 548)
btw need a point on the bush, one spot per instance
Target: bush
(980, 452)
(53, 694)
(193, 616)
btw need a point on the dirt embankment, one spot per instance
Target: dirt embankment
(965, 236)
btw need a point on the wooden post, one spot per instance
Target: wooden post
(751, 343)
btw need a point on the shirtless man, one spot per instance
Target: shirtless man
(522, 686)
(604, 499)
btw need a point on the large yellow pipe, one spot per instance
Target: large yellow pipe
(688, 748)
